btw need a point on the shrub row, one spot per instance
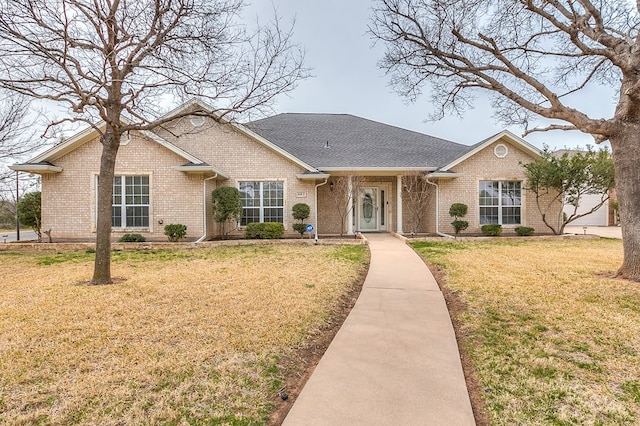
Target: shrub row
(495, 230)
(174, 231)
(264, 231)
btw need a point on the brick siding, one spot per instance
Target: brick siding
(485, 165)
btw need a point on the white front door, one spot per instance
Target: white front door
(369, 209)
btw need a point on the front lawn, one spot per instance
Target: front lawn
(183, 337)
(552, 338)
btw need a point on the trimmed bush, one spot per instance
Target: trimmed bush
(175, 231)
(459, 226)
(264, 231)
(492, 230)
(524, 231)
(300, 212)
(132, 238)
(458, 210)
(301, 228)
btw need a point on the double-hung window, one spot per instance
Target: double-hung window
(500, 202)
(262, 201)
(130, 202)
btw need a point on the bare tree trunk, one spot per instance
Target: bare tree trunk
(102, 266)
(626, 156)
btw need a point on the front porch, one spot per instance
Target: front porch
(403, 204)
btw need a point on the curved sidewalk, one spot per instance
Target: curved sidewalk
(395, 361)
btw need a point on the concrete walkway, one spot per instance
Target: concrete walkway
(601, 231)
(395, 360)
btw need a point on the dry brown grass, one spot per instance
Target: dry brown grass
(553, 339)
(189, 336)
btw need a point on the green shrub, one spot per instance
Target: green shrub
(132, 238)
(301, 211)
(459, 225)
(524, 231)
(264, 231)
(29, 211)
(492, 230)
(227, 207)
(300, 228)
(175, 231)
(458, 210)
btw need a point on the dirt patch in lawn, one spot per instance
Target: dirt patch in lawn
(301, 364)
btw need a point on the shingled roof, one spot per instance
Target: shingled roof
(328, 141)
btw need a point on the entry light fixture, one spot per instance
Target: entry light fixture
(331, 186)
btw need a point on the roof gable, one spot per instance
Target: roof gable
(197, 104)
(90, 133)
(474, 149)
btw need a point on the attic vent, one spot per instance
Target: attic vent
(500, 151)
(197, 120)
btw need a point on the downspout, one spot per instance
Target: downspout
(204, 208)
(442, 234)
(315, 206)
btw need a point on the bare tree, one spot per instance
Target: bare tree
(14, 127)
(416, 195)
(115, 63)
(343, 193)
(16, 142)
(536, 57)
(16, 134)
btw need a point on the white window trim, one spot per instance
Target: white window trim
(500, 206)
(501, 146)
(94, 191)
(124, 205)
(284, 199)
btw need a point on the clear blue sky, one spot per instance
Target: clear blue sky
(346, 79)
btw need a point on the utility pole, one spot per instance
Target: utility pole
(17, 217)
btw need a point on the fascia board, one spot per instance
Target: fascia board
(36, 168)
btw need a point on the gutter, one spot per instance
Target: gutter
(315, 205)
(204, 209)
(442, 234)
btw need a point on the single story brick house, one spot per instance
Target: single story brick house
(167, 176)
